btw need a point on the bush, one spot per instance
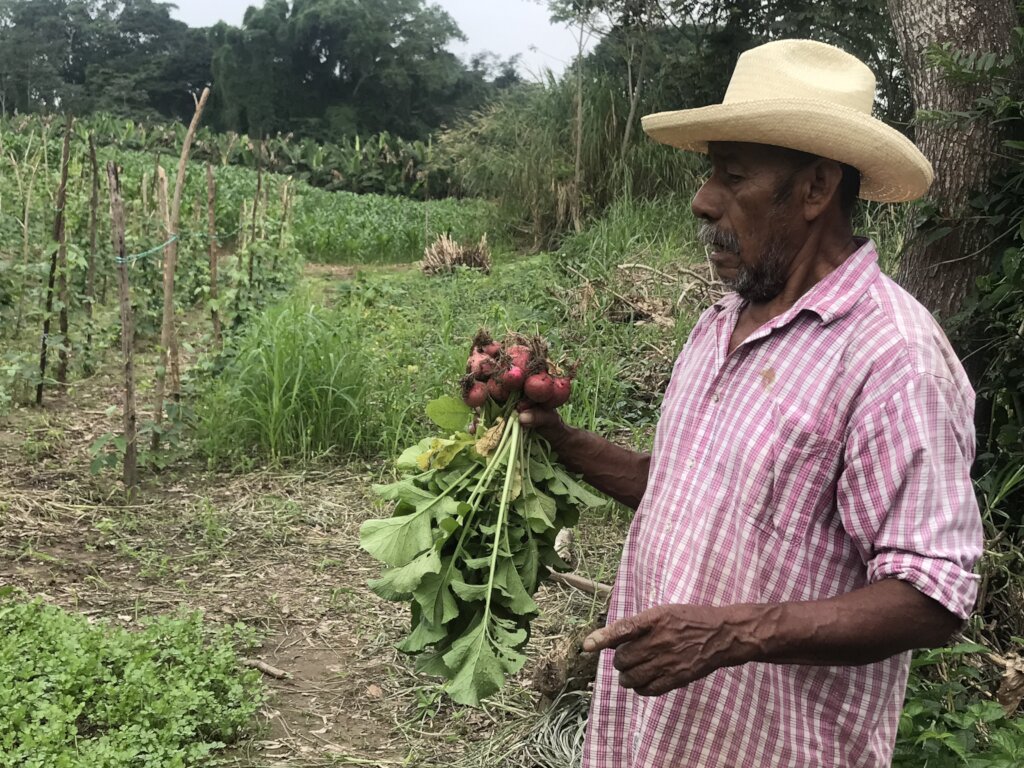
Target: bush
(74, 693)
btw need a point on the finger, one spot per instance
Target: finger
(615, 634)
(639, 675)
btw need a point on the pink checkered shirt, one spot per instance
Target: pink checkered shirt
(832, 449)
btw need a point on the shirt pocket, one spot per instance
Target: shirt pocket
(805, 468)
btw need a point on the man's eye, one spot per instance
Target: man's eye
(733, 178)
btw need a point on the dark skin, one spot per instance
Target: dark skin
(671, 646)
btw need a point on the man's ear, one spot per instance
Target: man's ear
(821, 187)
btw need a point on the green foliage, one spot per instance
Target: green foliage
(328, 68)
(947, 722)
(75, 693)
(383, 163)
(82, 56)
(519, 151)
(294, 387)
(343, 228)
(474, 525)
(320, 68)
(403, 335)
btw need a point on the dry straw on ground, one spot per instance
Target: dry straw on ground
(444, 255)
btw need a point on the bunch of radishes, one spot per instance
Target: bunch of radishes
(517, 369)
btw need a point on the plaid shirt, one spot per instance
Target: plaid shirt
(831, 450)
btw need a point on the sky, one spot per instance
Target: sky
(505, 27)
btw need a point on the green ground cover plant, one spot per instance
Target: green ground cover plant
(346, 228)
(76, 693)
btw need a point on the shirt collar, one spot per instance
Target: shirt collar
(831, 297)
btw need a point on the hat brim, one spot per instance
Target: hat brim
(892, 169)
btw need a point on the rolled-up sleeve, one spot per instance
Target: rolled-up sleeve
(905, 495)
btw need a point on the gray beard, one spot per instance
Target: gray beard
(758, 284)
(761, 283)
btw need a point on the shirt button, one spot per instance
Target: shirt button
(714, 397)
(690, 464)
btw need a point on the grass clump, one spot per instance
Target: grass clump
(73, 693)
(294, 388)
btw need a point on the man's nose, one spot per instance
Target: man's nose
(704, 203)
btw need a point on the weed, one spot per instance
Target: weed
(76, 693)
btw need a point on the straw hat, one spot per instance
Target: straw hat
(809, 96)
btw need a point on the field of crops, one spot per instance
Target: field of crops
(306, 367)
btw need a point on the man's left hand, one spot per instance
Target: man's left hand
(671, 646)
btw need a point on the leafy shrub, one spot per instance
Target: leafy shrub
(948, 723)
(74, 693)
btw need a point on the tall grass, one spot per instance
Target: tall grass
(351, 372)
(293, 390)
(520, 152)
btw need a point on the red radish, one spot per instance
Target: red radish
(512, 378)
(486, 368)
(520, 355)
(524, 404)
(561, 388)
(497, 391)
(471, 429)
(475, 395)
(538, 387)
(492, 349)
(476, 359)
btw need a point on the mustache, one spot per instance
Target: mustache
(711, 235)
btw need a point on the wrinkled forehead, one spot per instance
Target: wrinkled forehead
(757, 155)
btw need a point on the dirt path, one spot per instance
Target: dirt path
(274, 550)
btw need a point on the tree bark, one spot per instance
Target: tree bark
(127, 331)
(965, 156)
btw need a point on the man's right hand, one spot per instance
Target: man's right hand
(611, 469)
(547, 423)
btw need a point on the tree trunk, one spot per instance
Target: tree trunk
(127, 331)
(965, 155)
(634, 87)
(577, 177)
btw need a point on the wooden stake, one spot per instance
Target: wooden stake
(286, 199)
(256, 199)
(90, 271)
(46, 328)
(55, 259)
(62, 257)
(211, 231)
(127, 331)
(167, 326)
(168, 334)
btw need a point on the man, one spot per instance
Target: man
(806, 516)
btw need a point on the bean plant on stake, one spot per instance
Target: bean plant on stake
(476, 514)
